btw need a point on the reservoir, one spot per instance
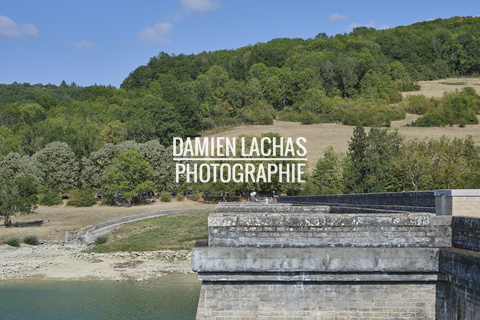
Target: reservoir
(172, 297)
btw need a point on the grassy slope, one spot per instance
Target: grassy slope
(174, 232)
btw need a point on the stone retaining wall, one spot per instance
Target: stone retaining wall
(289, 262)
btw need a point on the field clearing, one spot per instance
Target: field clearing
(320, 136)
(436, 88)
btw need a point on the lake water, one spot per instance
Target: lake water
(175, 297)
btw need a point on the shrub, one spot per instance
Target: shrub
(109, 201)
(165, 197)
(31, 240)
(194, 197)
(101, 240)
(180, 197)
(82, 198)
(14, 242)
(50, 198)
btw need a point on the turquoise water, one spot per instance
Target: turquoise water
(71, 300)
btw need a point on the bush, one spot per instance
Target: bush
(14, 242)
(109, 201)
(180, 197)
(50, 198)
(101, 240)
(194, 197)
(31, 240)
(82, 198)
(165, 197)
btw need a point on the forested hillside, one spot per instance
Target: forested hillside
(354, 78)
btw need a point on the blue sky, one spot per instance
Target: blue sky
(101, 41)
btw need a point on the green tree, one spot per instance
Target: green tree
(13, 165)
(161, 164)
(55, 167)
(9, 141)
(375, 86)
(129, 174)
(32, 112)
(415, 161)
(345, 66)
(114, 132)
(328, 173)
(17, 196)
(369, 161)
(355, 169)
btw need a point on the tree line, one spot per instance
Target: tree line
(384, 161)
(379, 160)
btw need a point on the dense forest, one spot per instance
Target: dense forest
(355, 79)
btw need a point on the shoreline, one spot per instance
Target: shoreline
(69, 262)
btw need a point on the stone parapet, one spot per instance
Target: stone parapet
(314, 226)
(411, 198)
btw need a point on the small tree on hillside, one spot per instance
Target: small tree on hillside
(17, 196)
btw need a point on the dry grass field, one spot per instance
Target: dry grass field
(320, 136)
(436, 88)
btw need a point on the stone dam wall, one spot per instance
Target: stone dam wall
(307, 262)
(459, 296)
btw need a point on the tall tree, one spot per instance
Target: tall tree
(327, 175)
(355, 170)
(129, 174)
(55, 167)
(369, 164)
(17, 196)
